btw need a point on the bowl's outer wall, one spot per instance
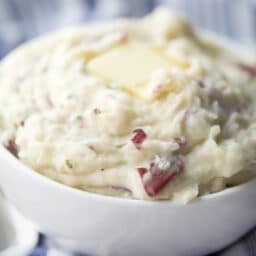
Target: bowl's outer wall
(110, 226)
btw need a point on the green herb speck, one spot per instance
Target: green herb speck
(79, 118)
(69, 164)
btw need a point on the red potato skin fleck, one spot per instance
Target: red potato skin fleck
(124, 189)
(158, 181)
(251, 70)
(159, 178)
(124, 37)
(142, 171)
(138, 138)
(201, 83)
(181, 141)
(12, 148)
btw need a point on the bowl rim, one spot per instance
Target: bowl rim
(17, 164)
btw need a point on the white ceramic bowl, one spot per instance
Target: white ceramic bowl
(102, 225)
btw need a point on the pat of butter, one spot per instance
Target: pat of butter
(128, 66)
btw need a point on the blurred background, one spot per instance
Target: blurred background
(21, 20)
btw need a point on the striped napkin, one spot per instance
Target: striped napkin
(233, 18)
(246, 246)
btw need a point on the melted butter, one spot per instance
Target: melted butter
(129, 66)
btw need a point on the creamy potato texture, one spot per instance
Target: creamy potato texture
(146, 109)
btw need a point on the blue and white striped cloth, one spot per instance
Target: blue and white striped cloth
(246, 246)
(21, 20)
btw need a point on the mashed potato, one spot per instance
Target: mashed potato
(144, 108)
